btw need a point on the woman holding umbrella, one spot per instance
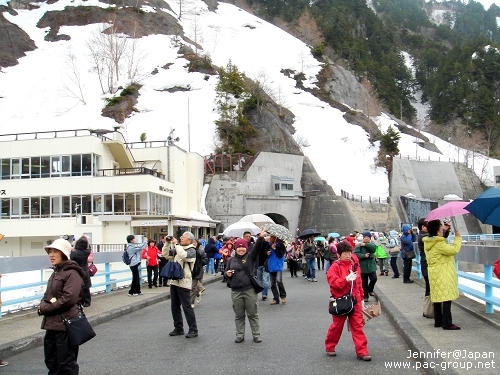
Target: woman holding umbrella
(442, 273)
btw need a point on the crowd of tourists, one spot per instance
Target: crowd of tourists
(251, 265)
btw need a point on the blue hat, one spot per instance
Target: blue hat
(367, 234)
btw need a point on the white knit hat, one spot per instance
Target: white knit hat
(60, 244)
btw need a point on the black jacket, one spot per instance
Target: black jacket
(80, 255)
(242, 271)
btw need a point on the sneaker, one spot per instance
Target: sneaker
(453, 327)
(201, 291)
(365, 357)
(274, 302)
(264, 298)
(283, 300)
(191, 334)
(257, 339)
(192, 306)
(135, 294)
(3, 363)
(314, 280)
(176, 333)
(214, 274)
(331, 354)
(239, 339)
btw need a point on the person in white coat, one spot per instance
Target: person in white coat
(180, 290)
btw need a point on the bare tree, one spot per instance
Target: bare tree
(73, 89)
(196, 31)
(301, 140)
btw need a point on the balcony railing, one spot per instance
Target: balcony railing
(129, 172)
(221, 163)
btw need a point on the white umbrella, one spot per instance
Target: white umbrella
(257, 219)
(237, 229)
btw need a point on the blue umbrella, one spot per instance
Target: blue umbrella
(322, 239)
(334, 235)
(486, 207)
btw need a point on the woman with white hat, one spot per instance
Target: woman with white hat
(64, 292)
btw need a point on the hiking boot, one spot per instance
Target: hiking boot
(191, 334)
(274, 302)
(239, 339)
(283, 300)
(176, 333)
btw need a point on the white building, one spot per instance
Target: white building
(93, 182)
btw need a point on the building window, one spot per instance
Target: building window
(119, 204)
(16, 207)
(86, 164)
(497, 179)
(76, 165)
(35, 207)
(56, 208)
(26, 206)
(97, 204)
(45, 206)
(286, 186)
(15, 171)
(276, 187)
(45, 166)
(65, 165)
(5, 173)
(86, 204)
(35, 167)
(5, 208)
(25, 168)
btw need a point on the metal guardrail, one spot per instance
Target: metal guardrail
(478, 254)
(102, 281)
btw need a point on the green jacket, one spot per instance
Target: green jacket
(441, 267)
(368, 265)
(380, 253)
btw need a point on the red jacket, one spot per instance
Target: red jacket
(339, 285)
(152, 252)
(226, 250)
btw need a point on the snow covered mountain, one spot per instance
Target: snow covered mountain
(56, 87)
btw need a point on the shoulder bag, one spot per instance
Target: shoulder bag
(79, 329)
(343, 305)
(92, 269)
(394, 250)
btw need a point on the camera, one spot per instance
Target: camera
(169, 238)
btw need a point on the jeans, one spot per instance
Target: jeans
(277, 286)
(311, 267)
(394, 266)
(210, 266)
(263, 278)
(327, 265)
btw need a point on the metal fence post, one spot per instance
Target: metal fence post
(488, 289)
(107, 269)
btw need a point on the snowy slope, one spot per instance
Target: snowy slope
(35, 98)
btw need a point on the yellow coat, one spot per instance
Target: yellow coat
(441, 267)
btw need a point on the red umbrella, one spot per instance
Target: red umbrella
(447, 210)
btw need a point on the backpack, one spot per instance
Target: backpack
(392, 243)
(126, 258)
(172, 271)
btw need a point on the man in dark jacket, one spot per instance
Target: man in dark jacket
(365, 252)
(407, 240)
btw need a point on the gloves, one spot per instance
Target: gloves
(351, 276)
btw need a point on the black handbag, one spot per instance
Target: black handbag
(409, 254)
(343, 305)
(79, 329)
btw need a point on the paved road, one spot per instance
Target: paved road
(293, 341)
